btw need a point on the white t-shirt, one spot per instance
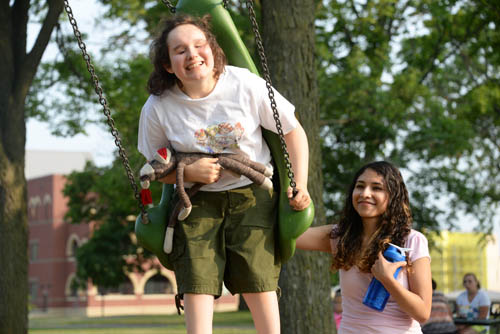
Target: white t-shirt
(228, 119)
(358, 318)
(471, 309)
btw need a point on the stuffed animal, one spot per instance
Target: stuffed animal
(164, 162)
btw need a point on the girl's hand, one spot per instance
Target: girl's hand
(384, 270)
(301, 200)
(204, 170)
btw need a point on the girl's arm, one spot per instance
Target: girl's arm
(483, 312)
(296, 142)
(416, 301)
(484, 305)
(315, 238)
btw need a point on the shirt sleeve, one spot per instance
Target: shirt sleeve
(151, 136)
(419, 245)
(286, 110)
(484, 300)
(286, 113)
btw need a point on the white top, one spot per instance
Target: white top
(470, 310)
(228, 119)
(358, 318)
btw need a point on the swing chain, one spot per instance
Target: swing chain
(267, 77)
(169, 5)
(106, 110)
(173, 9)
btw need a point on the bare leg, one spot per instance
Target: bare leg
(265, 311)
(198, 313)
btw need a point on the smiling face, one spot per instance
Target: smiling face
(191, 57)
(370, 196)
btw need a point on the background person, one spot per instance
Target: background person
(441, 318)
(473, 303)
(337, 308)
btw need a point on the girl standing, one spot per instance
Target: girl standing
(199, 104)
(377, 212)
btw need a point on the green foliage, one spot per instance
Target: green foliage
(103, 198)
(415, 82)
(334, 278)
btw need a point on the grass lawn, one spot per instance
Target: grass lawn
(224, 323)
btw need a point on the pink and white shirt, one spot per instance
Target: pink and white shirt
(358, 318)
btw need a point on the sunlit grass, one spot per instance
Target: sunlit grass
(224, 323)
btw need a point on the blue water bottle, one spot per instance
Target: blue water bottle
(376, 296)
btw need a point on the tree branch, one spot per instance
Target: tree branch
(353, 6)
(32, 60)
(326, 122)
(20, 11)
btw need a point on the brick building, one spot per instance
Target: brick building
(52, 245)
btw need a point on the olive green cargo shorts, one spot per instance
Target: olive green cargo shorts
(228, 237)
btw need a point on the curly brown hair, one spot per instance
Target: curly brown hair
(395, 222)
(160, 80)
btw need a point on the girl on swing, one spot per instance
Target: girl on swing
(377, 212)
(200, 104)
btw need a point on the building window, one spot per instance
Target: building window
(74, 247)
(33, 291)
(73, 288)
(33, 251)
(158, 284)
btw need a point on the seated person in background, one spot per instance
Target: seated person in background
(473, 303)
(441, 319)
(337, 308)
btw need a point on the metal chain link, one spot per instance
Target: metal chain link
(106, 110)
(169, 5)
(267, 77)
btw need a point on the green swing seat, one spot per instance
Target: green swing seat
(291, 223)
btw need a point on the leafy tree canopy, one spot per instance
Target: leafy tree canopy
(415, 82)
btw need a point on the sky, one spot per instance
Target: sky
(98, 141)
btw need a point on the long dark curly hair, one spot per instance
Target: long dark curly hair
(160, 80)
(395, 222)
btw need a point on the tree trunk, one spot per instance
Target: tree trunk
(17, 69)
(288, 35)
(13, 241)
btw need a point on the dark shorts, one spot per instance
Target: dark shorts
(228, 237)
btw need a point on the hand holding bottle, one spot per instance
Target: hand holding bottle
(389, 264)
(384, 270)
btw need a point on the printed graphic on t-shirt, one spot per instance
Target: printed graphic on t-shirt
(216, 138)
(468, 311)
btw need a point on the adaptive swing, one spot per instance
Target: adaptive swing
(151, 225)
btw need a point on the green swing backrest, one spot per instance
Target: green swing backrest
(291, 223)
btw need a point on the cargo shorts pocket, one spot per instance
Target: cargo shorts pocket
(258, 208)
(201, 229)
